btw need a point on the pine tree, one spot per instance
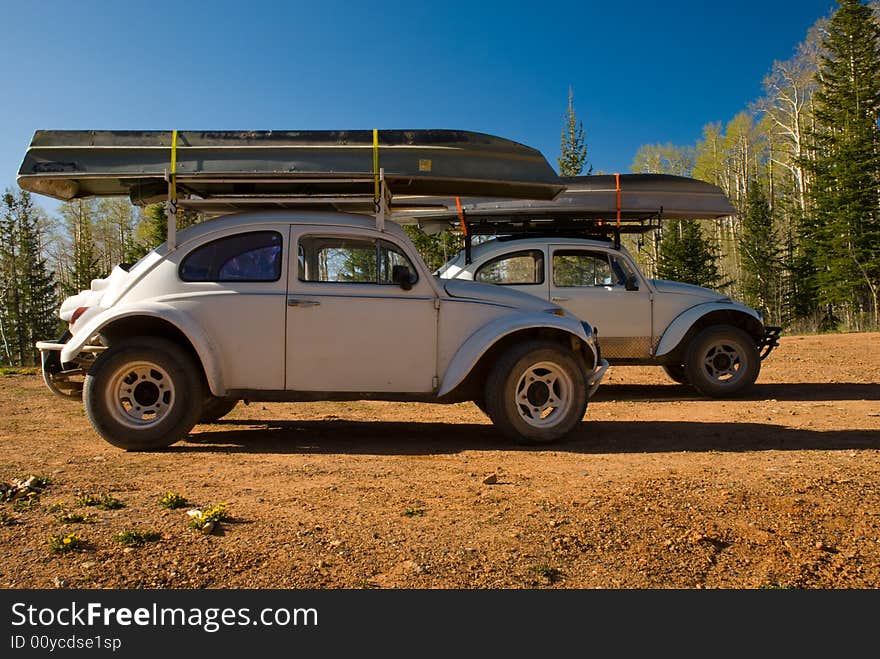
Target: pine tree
(685, 256)
(843, 227)
(84, 260)
(574, 147)
(760, 254)
(28, 300)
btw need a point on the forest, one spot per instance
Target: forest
(801, 164)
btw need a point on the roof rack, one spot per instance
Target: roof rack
(222, 171)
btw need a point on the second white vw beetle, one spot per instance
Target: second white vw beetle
(699, 336)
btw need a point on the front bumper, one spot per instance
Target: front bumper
(594, 379)
(769, 341)
(65, 380)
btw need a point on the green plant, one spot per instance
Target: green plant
(26, 503)
(216, 513)
(413, 512)
(173, 500)
(133, 538)
(63, 543)
(104, 502)
(73, 517)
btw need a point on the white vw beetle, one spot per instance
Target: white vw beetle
(284, 306)
(697, 335)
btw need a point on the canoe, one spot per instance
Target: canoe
(637, 197)
(255, 165)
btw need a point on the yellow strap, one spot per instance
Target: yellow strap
(174, 166)
(376, 192)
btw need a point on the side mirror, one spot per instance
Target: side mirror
(632, 284)
(401, 276)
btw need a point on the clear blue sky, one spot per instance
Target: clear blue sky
(642, 71)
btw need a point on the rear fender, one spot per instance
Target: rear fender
(202, 344)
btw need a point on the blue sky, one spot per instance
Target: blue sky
(642, 71)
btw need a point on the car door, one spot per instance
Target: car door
(591, 283)
(349, 328)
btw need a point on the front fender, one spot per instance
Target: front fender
(484, 338)
(679, 327)
(201, 342)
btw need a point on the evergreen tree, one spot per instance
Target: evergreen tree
(435, 249)
(843, 227)
(760, 254)
(574, 147)
(84, 260)
(28, 295)
(152, 230)
(685, 256)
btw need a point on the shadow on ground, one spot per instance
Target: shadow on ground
(809, 391)
(592, 437)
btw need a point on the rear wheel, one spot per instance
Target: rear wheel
(722, 361)
(143, 393)
(215, 408)
(676, 373)
(536, 393)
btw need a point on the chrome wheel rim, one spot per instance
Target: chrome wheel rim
(140, 394)
(543, 394)
(723, 362)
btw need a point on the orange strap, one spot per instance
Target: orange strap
(617, 183)
(461, 215)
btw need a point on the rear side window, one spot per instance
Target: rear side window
(254, 256)
(526, 267)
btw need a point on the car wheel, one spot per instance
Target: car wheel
(143, 393)
(676, 373)
(215, 408)
(722, 361)
(536, 392)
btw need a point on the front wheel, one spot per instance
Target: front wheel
(536, 392)
(143, 393)
(722, 361)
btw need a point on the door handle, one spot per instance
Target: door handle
(560, 299)
(296, 302)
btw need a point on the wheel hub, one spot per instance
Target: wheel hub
(140, 394)
(544, 394)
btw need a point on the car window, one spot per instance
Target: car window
(582, 268)
(333, 259)
(244, 257)
(526, 267)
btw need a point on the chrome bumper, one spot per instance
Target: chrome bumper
(595, 378)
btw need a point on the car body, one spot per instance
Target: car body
(698, 335)
(310, 305)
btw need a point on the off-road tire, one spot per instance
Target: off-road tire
(162, 375)
(512, 370)
(215, 408)
(676, 373)
(726, 344)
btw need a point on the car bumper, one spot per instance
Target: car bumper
(769, 341)
(65, 380)
(594, 379)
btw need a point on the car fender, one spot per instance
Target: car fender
(680, 326)
(201, 342)
(476, 345)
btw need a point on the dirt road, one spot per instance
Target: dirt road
(659, 488)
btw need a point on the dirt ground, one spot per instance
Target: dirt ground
(658, 489)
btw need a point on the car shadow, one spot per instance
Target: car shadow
(804, 391)
(592, 437)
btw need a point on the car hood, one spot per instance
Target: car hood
(680, 288)
(471, 290)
